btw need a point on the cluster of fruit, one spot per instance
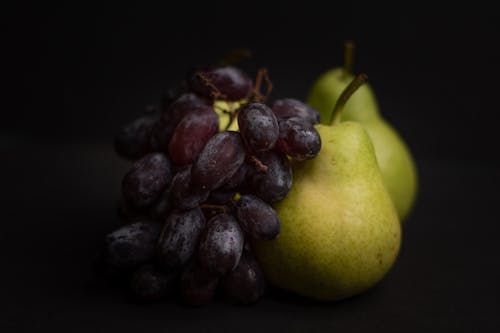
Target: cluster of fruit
(199, 193)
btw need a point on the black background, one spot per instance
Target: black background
(75, 74)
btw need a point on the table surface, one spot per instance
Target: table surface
(58, 201)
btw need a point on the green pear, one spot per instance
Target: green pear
(393, 155)
(340, 232)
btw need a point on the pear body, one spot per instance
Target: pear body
(340, 232)
(393, 155)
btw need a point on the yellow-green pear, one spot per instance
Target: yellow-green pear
(340, 232)
(393, 155)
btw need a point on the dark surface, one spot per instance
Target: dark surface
(77, 74)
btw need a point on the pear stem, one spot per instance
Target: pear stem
(348, 57)
(357, 82)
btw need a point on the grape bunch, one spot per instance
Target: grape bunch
(198, 195)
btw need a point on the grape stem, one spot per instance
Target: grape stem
(357, 82)
(348, 57)
(258, 163)
(262, 74)
(215, 92)
(223, 208)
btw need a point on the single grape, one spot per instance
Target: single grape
(146, 180)
(272, 185)
(258, 127)
(184, 194)
(134, 139)
(179, 238)
(172, 115)
(228, 83)
(246, 283)
(257, 218)
(132, 244)
(197, 286)
(220, 245)
(289, 108)
(298, 139)
(149, 284)
(237, 178)
(191, 135)
(219, 160)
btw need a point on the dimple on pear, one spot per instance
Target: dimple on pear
(393, 155)
(340, 231)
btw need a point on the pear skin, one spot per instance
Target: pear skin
(340, 231)
(393, 155)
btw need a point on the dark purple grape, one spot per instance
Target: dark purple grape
(146, 180)
(134, 139)
(171, 116)
(246, 283)
(298, 139)
(272, 185)
(257, 218)
(183, 193)
(149, 284)
(132, 244)
(191, 135)
(197, 286)
(162, 206)
(258, 127)
(179, 238)
(220, 245)
(228, 83)
(219, 160)
(289, 108)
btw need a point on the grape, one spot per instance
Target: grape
(257, 218)
(220, 245)
(272, 185)
(197, 286)
(184, 194)
(246, 283)
(298, 139)
(149, 284)
(191, 135)
(229, 82)
(258, 127)
(134, 139)
(218, 161)
(179, 238)
(162, 207)
(172, 115)
(146, 180)
(289, 107)
(132, 244)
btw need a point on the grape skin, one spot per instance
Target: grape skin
(146, 180)
(132, 244)
(258, 127)
(221, 245)
(179, 238)
(298, 139)
(272, 185)
(184, 194)
(218, 161)
(290, 107)
(257, 218)
(197, 286)
(191, 135)
(229, 81)
(134, 139)
(149, 284)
